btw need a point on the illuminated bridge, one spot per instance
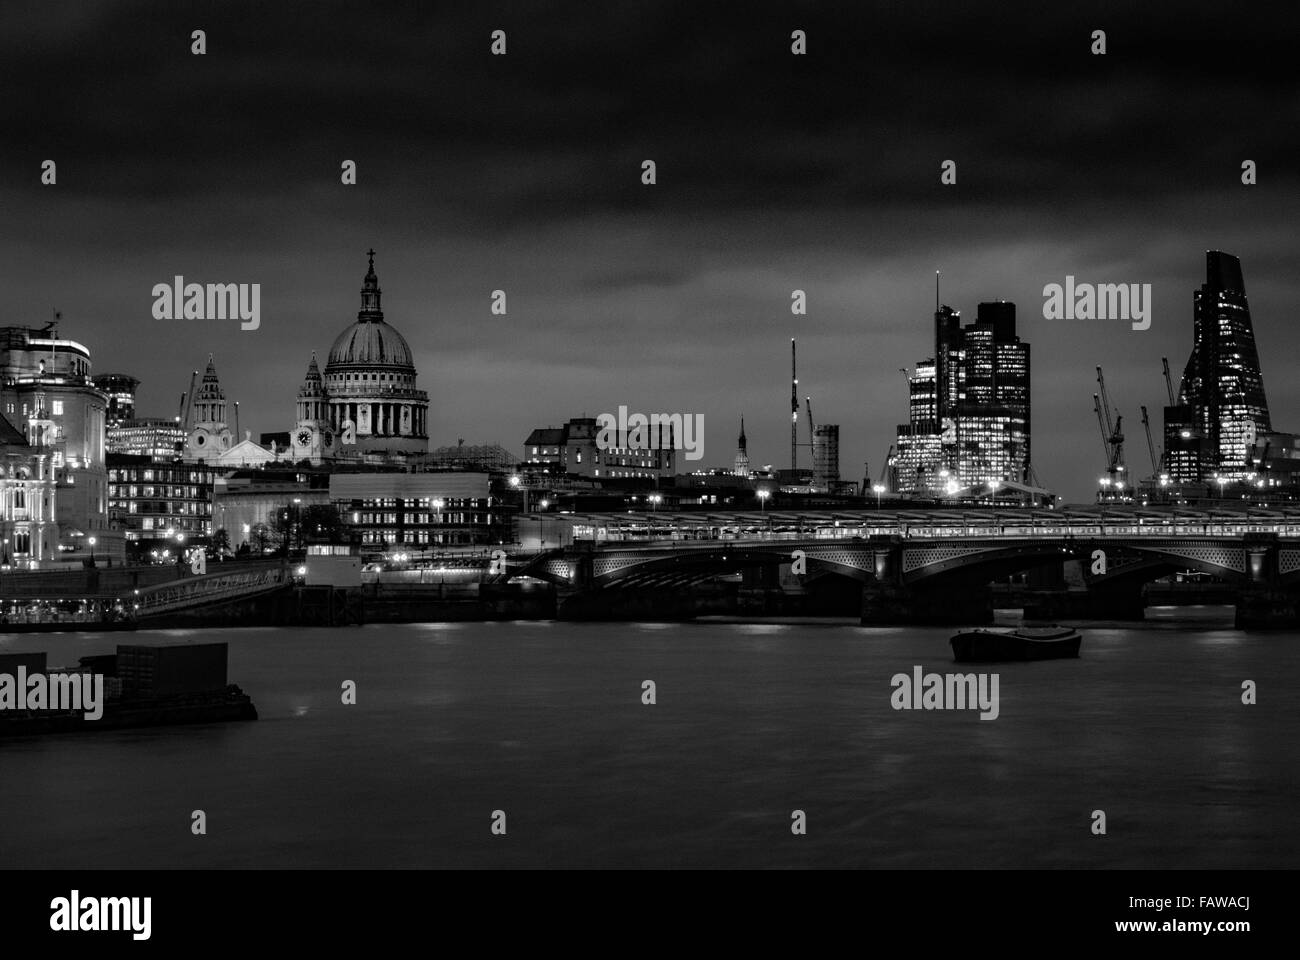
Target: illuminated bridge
(933, 565)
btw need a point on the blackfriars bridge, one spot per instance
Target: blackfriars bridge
(922, 566)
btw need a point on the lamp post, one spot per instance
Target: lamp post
(763, 494)
(91, 542)
(879, 488)
(654, 499)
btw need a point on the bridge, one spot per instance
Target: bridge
(927, 566)
(242, 581)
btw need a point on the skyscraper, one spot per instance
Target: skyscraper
(969, 407)
(1221, 411)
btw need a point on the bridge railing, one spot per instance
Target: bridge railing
(209, 588)
(1154, 528)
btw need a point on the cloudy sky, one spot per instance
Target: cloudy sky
(775, 172)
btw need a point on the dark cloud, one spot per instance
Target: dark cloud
(775, 172)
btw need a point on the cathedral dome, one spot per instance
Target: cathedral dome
(370, 343)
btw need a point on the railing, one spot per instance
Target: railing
(207, 589)
(915, 531)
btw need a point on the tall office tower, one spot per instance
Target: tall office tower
(993, 424)
(969, 407)
(120, 389)
(915, 467)
(1221, 408)
(948, 356)
(826, 455)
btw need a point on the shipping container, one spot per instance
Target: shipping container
(171, 671)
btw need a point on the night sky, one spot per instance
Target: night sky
(775, 172)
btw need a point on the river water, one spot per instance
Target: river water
(752, 721)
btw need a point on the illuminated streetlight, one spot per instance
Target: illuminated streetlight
(91, 541)
(655, 500)
(762, 495)
(879, 488)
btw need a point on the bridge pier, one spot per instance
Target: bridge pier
(1260, 607)
(1263, 602)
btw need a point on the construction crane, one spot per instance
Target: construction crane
(1151, 447)
(812, 426)
(1169, 383)
(794, 410)
(189, 402)
(1112, 436)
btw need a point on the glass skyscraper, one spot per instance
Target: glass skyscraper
(1222, 410)
(970, 410)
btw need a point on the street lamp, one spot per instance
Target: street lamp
(879, 488)
(654, 499)
(763, 494)
(91, 542)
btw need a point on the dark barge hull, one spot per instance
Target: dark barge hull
(231, 705)
(995, 646)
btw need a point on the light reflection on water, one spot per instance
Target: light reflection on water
(753, 720)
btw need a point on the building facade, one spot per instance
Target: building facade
(48, 394)
(573, 449)
(159, 504)
(383, 512)
(154, 437)
(29, 532)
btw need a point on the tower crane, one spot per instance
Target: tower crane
(1151, 447)
(1169, 383)
(1112, 435)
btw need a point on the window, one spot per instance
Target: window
(58, 408)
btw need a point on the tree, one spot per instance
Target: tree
(260, 536)
(220, 542)
(321, 524)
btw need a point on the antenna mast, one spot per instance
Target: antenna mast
(794, 410)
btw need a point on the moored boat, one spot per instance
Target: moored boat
(1023, 643)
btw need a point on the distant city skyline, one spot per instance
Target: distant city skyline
(775, 173)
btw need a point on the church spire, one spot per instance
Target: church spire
(742, 453)
(370, 293)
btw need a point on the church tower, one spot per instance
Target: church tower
(210, 435)
(312, 438)
(742, 453)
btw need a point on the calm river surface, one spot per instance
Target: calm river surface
(544, 721)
